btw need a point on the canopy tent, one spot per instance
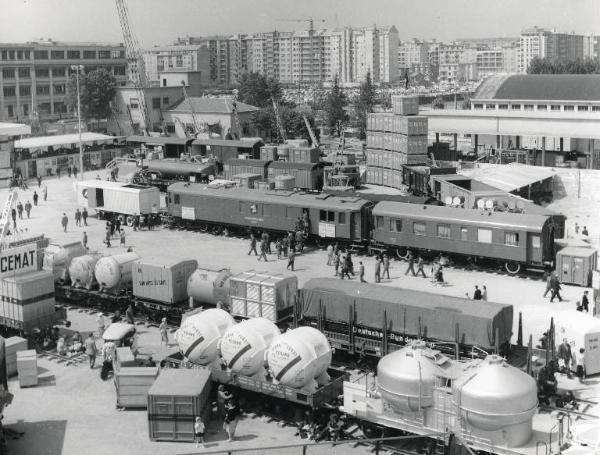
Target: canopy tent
(63, 140)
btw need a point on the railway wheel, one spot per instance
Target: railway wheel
(512, 267)
(203, 227)
(129, 220)
(402, 252)
(122, 219)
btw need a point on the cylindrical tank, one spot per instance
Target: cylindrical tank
(81, 270)
(285, 182)
(58, 257)
(495, 395)
(243, 346)
(209, 286)
(113, 272)
(199, 335)
(299, 356)
(405, 378)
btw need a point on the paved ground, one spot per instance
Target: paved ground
(73, 411)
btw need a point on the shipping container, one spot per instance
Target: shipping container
(132, 385)
(414, 125)
(262, 295)
(268, 153)
(303, 155)
(247, 181)
(27, 368)
(412, 159)
(415, 145)
(162, 279)
(575, 265)
(26, 298)
(405, 105)
(175, 399)
(308, 175)
(264, 185)
(237, 166)
(12, 345)
(118, 198)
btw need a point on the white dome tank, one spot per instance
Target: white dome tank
(113, 272)
(405, 378)
(81, 271)
(207, 286)
(244, 345)
(58, 257)
(495, 395)
(298, 357)
(199, 335)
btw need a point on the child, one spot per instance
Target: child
(199, 432)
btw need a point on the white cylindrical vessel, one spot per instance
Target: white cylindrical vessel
(210, 287)
(81, 271)
(114, 272)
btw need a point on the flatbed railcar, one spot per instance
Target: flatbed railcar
(373, 320)
(162, 173)
(345, 219)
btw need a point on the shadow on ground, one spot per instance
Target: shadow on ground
(44, 437)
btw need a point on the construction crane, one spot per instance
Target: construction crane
(135, 61)
(311, 133)
(280, 127)
(198, 127)
(310, 20)
(236, 128)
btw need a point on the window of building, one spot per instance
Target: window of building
(341, 218)
(395, 225)
(165, 100)
(24, 90)
(542, 107)
(511, 238)
(24, 73)
(490, 107)
(42, 72)
(171, 129)
(327, 216)
(177, 201)
(59, 71)
(115, 54)
(568, 108)
(419, 228)
(464, 234)
(582, 108)
(89, 55)
(40, 55)
(60, 107)
(477, 106)
(59, 89)
(8, 73)
(484, 235)
(528, 107)
(555, 107)
(25, 109)
(119, 71)
(104, 55)
(179, 61)
(503, 107)
(515, 107)
(595, 108)
(19, 55)
(11, 55)
(3, 55)
(155, 103)
(42, 90)
(73, 54)
(10, 91)
(443, 230)
(379, 223)
(133, 103)
(10, 110)
(57, 55)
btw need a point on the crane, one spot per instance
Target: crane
(311, 133)
(198, 127)
(278, 120)
(135, 61)
(310, 20)
(236, 127)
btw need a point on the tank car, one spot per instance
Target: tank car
(114, 273)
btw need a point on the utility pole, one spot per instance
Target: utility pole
(78, 68)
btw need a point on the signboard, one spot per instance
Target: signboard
(16, 261)
(188, 213)
(326, 229)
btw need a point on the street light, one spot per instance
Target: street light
(79, 68)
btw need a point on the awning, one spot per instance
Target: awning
(510, 177)
(61, 140)
(159, 140)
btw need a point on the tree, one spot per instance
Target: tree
(258, 90)
(549, 66)
(334, 107)
(363, 104)
(97, 89)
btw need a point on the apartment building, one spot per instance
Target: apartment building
(188, 57)
(34, 75)
(544, 43)
(413, 53)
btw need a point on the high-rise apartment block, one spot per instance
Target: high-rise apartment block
(34, 75)
(543, 43)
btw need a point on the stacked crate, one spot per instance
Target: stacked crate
(12, 346)
(27, 368)
(395, 139)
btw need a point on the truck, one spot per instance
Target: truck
(116, 199)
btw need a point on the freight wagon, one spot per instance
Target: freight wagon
(237, 166)
(373, 320)
(161, 173)
(223, 150)
(309, 176)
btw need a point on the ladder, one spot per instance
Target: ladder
(13, 197)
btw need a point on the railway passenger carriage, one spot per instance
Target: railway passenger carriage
(514, 239)
(330, 217)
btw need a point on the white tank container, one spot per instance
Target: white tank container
(199, 335)
(299, 358)
(58, 257)
(114, 272)
(495, 396)
(81, 271)
(405, 378)
(244, 345)
(206, 286)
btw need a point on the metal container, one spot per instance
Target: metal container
(264, 185)
(81, 271)
(405, 105)
(162, 279)
(412, 125)
(575, 265)
(27, 298)
(304, 155)
(299, 358)
(57, 258)
(246, 166)
(244, 345)
(285, 182)
(199, 335)
(27, 368)
(114, 273)
(283, 152)
(297, 142)
(308, 175)
(209, 287)
(175, 399)
(268, 153)
(247, 180)
(495, 396)
(132, 385)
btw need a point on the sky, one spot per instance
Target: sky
(161, 21)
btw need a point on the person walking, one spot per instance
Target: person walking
(100, 324)
(581, 373)
(386, 266)
(107, 237)
(344, 263)
(35, 196)
(548, 276)
(84, 240)
(252, 245)
(329, 254)
(28, 209)
(91, 350)
(377, 270)
(411, 264)
(13, 214)
(421, 267)
(77, 217)
(45, 194)
(64, 222)
(231, 418)
(69, 171)
(20, 210)
(58, 172)
(199, 431)
(484, 295)
(585, 303)
(299, 241)
(75, 171)
(564, 354)
(122, 237)
(164, 335)
(585, 231)
(118, 225)
(477, 293)
(39, 180)
(555, 289)
(263, 251)
(136, 222)
(291, 260)
(129, 315)
(278, 248)
(84, 216)
(350, 263)
(336, 263)
(361, 272)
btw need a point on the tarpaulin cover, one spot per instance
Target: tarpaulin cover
(408, 312)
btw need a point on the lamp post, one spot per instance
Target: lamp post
(79, 68)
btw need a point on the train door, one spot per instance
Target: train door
(99, 197)
(534, 248)
(32, 169)
(355, 227)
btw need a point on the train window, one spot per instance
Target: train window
(176, 198)
(443, 230)
(511, 238)
(326, 215)
(535, 241)
(464, 233)
(419, 228)
(379, 223)
(484, 235)
(395, 225)
(341, 218)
